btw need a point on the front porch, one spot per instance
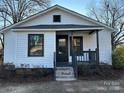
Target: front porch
(77, 46)
(73, 47)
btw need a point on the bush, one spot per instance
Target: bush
(118, 58)
(7, 71)
(42, 72)
(86, 69)
(94, 70)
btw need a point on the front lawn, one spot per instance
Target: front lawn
(98, 81)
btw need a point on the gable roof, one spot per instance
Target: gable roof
(56, 7)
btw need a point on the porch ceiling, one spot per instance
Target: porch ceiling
(60, 27)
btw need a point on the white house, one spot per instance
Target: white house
(34, 41)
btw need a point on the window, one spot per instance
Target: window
(77, 44)
(56, 18)
(35, 45)
(62, 42)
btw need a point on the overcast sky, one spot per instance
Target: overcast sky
(81, 6)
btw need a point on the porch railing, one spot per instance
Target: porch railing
(87, 56)
(84, 57)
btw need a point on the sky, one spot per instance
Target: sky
(80, 6)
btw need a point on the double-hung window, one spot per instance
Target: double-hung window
(35, 45)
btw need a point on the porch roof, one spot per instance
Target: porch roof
(59, 27)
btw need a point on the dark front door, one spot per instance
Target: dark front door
(62, 48)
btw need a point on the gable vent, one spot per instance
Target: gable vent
(56, 18)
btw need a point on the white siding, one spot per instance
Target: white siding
(105, 47)
(9, 47)
(21, 50)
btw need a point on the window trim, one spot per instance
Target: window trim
(29, 46)
(54, 18)
(80, 43)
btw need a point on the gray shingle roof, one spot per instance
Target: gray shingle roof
(57, 26)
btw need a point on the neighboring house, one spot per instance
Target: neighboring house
(34, 41)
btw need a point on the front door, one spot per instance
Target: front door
(61, 48)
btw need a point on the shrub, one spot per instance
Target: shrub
(86, 69)
(34, 74)
(94, 70)
(7, 71)
(118, 58)
(42, 72)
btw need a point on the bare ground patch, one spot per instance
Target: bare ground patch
(79, 86)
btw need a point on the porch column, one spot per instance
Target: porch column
(74, 62)
(72, 44)
(97, 42)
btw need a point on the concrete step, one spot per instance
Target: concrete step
(65, 74)
(63, 79)
(64, 68)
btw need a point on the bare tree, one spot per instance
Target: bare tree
(111, 12)
(13, 11)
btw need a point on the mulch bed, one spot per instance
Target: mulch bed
(27, 79)
(115, 75)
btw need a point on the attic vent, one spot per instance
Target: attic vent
(56, 18)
